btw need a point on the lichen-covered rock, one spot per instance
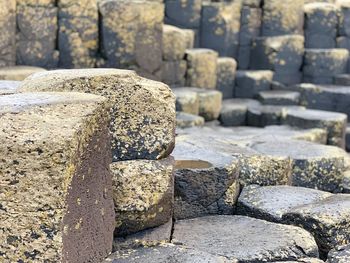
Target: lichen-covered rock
(36, 36)
(279, 97)
(339, 255)
(226, 71)
(282, 18)
(18, 73)
(186, 120)
(250, 82)
(132, 35)
(143, 119)
(201, 68)
(56, 196)
(220, 25)
(271, 203)
(321, 65)
(168, 253)
(185, 14)
(327, 219)
(174, 43)
(143, 192)
(78, 35)
(245, 239)
(8, 33)
(8, 87)
(187, 100)
(314, 166)
(335, 123)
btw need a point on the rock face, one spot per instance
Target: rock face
(8, 33)
(256, 240)
(56, 199)
(143, 194)
(143, 119)
(132, 35)
(339, 255)
(165, 253)
(314, 166)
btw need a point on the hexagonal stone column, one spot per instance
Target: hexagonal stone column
(143, 118)
(55, 197)
(143, 194)
(226, 72)
(8, 33)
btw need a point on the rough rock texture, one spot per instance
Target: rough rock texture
(143, 119)
(8, 87)
(186, 120)
(164, 253)
(226, 71)
(132, 35)
(56, 200)
(245, 239)
(314, 166)
(201, 68)
(18, 73)
(8, 33)
(37, 36)
(78, 35)
(335, 123)
(250, 82)
(328, 220)
(143, 192)
(339, 255)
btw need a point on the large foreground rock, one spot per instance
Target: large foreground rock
(143, 119)
(143, 194)
(245, 239)
(55, 197)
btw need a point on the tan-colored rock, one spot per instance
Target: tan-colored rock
(143, 194)
(55, 196)
(175, 42)
(18, 73)
(143, 119)
(7, 33)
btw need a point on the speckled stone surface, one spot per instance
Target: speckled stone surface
(143, 114)
(185, 120)
(8, 87)
(245, 239)
(339, 255)
(143, 194)
(164, 253)
(55, 201)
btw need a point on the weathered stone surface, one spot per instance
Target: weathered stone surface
(132, 35)
(344, 22)
(173, 72)
(206, 181)
(174, 43)
(271, 203)
(339, 255)
(220, 25)
(226, 71)
(36, 36)
(328, 220)
(321, 65)
(281, 54)
(8, 87)
(190, 38)
(78, 35)
(183, 14)
(187, 100)
(314, 166)
(346, 182)
(18, 73)
(264, 115)
(321, 24)
(245, 239)
(279, 97)
(250, 25)
(233, 114)
(283, 18)
(186, 120)
(143, 192)
(164, 253)
(335, 123)
(342, 80)
(56, 198)
(8, 33)
(250, 82)
(201, 68)
(143, 123)
(145, 238)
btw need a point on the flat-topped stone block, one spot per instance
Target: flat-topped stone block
(8, 34)
(18, 73)
(186, 120)
(59, 207)
(201, 68)
(226, 73)
(335, 123)
(143, 119)
(314, 166)
(143, 194)
(256, 240)
(279, 97)
(250, 82)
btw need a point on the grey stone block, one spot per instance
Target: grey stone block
(347, 138)
(339, 255)
(186, 120)
(250, 82)
(279, 97)
(226, 73)
(234, 112)
(173, 72)
(250, 25)
(243, 59)
(344, 21)
(187, 100)
(183, 14)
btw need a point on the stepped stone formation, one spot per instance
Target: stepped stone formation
(171, 131)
